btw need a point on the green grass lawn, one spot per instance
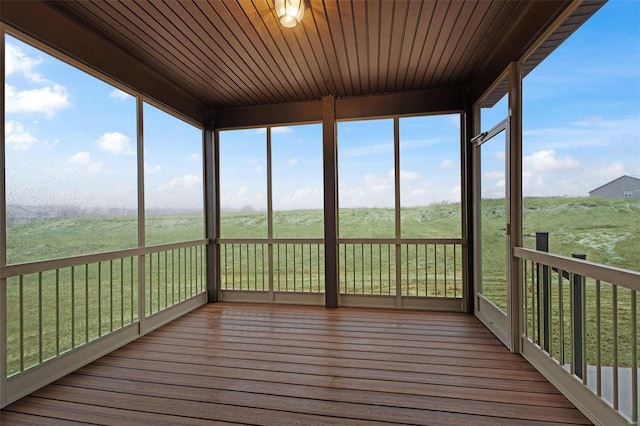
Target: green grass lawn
(606, 231)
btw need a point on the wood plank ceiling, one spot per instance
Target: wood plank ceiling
(234, 53)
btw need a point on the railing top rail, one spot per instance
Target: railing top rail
(610, 274)
(341, 241)
(401, 241)
(66, 262)
(270, 241)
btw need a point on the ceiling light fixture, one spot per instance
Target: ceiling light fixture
(289, 12)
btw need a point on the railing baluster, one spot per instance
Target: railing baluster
(389, 268)
(362, 267)
(255, 266)
(233, 266)
(99, 299)
(435, 268)
(455, 270)
(21, 314)
(86, 302)
(185, 272)
(73, 307)
(57, 311)
(248, 268)
(111, 295)
(40, 317)
(150, 280)
(190, 270)
(158, 281)
(548, 320)
(614, 303)
(353, 250)
(444, 249)
(634, 357)
(121, 292)
(561, 313)
(598, 340)
(171, 274)
(426, 270)
(525, 296)
(166, 279)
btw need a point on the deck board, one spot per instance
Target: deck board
(278, 365)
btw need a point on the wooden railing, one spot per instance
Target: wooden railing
(280, 265)
(268, 269)
(63, 313)
(580, 328)
(420, 268)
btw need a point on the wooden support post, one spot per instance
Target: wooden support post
(212, 208)
(330, 158)
(578, 320)
(542, 281)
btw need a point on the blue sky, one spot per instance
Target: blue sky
(71, 138)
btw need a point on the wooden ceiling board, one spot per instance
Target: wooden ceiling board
(442, 51)
(458, 40)
(309, 41)
(468, 59)
(424, 24)
(281, 43)
(435, 26)
(373, 44)
(229, 54)
(248, 66)
(410, 39)
(118, 34)
(361, 29)
(211, 53)
(336, 34)
(116, 24)
(178, 37)
(346, 24)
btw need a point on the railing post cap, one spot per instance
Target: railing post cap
(579, 256)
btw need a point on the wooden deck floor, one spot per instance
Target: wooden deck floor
(278, 365)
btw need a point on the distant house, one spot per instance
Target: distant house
(624, 186)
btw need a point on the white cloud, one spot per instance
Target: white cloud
(80, 158)
(18, 136)
(292, 161)
(195, 156)
(119, 94)
(548, 160)
(16, 61)
(591, 131)
(187, 181)
(150, 169)
(84, 160)
(302, 198)
(258, 169)
(447, 164)
(46, 100)
(405, 175)
(240, 198)
(283, 130)
(116, 143)
(360, 151)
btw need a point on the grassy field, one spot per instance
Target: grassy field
(606, 231)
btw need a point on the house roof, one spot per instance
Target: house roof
(201, 55)
(615, 180)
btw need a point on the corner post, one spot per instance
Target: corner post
(3, 241)
(330, 159)
(212, 206)
(515, 205)
(469, 126)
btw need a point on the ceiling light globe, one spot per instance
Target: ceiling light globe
(289, 12)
